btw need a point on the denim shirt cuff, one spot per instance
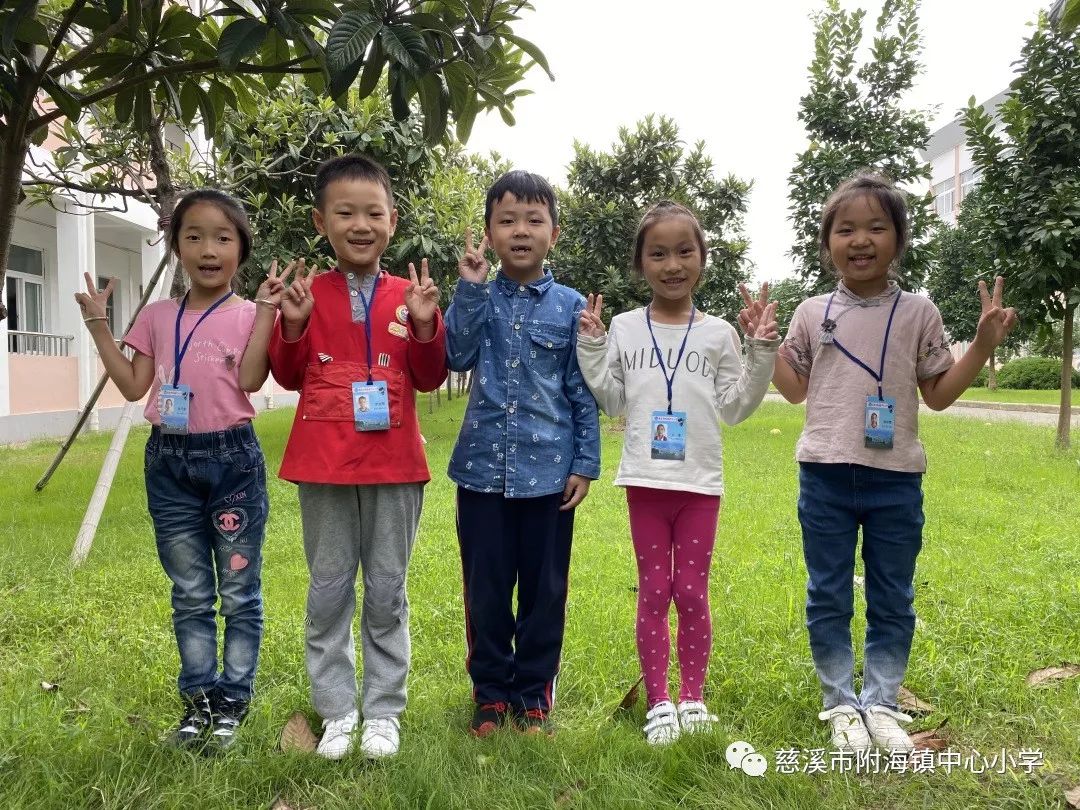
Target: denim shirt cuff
(585, 468)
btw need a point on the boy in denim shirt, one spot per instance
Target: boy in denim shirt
(528, 448)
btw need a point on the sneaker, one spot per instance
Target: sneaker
(337, 738)
(883, 724)
(662, 724)
(487, 718)
(380, 737)
(694, 717)
(228, 714)
(194, 726)
(535, 721)
(848, 731)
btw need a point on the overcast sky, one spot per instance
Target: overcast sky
(730, 73)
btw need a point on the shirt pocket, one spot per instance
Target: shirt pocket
(327, 392)
(548, 347)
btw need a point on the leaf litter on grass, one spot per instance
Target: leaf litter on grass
(1072, 797)
(911, 704)
(297, 735)
(1049, 675)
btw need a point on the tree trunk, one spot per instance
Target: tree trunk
(991, 377)
(449, 387)
(13, 150)
(1065, 410)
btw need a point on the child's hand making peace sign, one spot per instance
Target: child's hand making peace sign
(473, 265)
(296, 300)
(995, 323)
(589, 322)
(758, 317)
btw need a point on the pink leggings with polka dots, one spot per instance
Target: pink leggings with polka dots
(673, 534)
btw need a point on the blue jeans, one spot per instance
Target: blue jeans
(834, 500)
(207, 496)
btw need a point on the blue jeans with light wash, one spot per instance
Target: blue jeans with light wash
(834, 501)
(207, 496)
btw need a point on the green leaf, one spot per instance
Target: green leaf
(189, 101)
(62, 97)
(23, 10)
(206, 109)
(275, 51)
(123, 104)
(178, 22)
(406, 46)
(33, 32)
(532, 51)
(348, 41)
(134, 15)
(466, 118)
(94, 18)
(241, 38)
(373, 69)
(485, 41)
(115, 9)
(433, 103)
(144, 111)
(399, 98)
(1070, 19)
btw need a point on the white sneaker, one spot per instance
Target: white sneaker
(662, 724)
(380, 737)
(848, 731)
(694, 717)
(337, 738)
(883, 724)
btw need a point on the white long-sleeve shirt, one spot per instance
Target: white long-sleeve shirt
(712, 382)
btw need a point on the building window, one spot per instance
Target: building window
(112, 305)
(25, 294)
(945, 198)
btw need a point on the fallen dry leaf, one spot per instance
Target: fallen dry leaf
(911, 704)
(631, 697)
(931, 740)
(49, 687)
(1039, 677)
(1072, 797)
(297, 735)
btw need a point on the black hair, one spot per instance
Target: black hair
(879, 188)
(525, 186)
(232, 210)
(664, 210)
(350, 167)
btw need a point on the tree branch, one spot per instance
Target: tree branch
(58, 39)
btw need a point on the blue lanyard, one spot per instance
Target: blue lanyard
(880, 375)
(368, 303)
(670, 380)
(181, 351)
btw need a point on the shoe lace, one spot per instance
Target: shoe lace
(384, 727)
(498, 707)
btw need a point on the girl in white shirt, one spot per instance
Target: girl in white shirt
(675, 372)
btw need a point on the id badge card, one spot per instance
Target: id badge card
(879, 422)
(173, 404)
(371, 406)
(668, 432)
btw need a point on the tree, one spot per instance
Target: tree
(147, 58)
(854, 120)
(961, 260)
(1030, 189)
(788, 293)
(606, 195)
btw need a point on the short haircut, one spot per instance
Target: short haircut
(666, 209)
(232, 210)
(350, 167)
(525, 186)
(881, 189)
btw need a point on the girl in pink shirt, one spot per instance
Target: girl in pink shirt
(204, 470)
(858, 356)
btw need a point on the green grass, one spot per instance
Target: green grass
(997, 594)
(1007, 395)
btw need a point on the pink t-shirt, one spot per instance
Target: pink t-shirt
(211, 366)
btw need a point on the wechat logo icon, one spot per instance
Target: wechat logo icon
(742, 755)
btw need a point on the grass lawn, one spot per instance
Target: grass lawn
(998, 591)
(1007, 395)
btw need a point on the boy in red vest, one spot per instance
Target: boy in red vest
(358, 343)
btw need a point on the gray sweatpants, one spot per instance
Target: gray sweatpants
(371, 527)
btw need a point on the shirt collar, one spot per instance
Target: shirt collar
(539, 287)
(885, 296)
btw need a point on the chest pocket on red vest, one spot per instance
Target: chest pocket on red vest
(327, 391)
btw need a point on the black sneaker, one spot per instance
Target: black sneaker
(228, 714)
(487, 718)
(535, 721)
(194, 726)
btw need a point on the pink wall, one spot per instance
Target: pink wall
(43, 383)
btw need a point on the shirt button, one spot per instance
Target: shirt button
(352, 275)
(511, 409)
(549, 344)
(521, 288)
(515, 363)
(517, 326)
(354, 293)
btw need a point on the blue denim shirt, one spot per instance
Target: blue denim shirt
(531, 421)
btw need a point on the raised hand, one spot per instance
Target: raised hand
(296, 299)
(272, 290)
(995, 322)
(422, 295)
(589, 322)
(93, 301)
(753, 315)
(473, 265)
